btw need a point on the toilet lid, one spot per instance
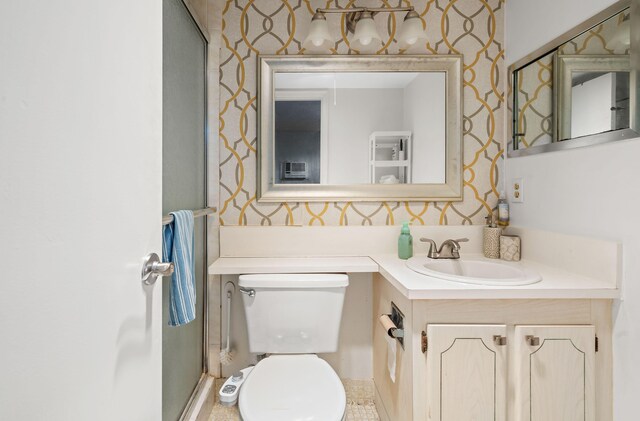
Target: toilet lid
(292, 388)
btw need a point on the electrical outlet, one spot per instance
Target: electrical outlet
(516, 192)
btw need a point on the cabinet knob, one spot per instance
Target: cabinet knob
(532, 340)
(499, 340)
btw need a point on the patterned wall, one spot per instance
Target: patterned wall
(473, 28)
(595, 40)
(535, 103)
(535, 81)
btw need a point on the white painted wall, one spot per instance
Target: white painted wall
(80, 205)
(531, 24)
(590, 191)
(356, 114)
(424, 116)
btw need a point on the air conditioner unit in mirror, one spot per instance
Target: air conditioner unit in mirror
(294, 170)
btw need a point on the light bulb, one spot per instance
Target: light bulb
(411, 31)
(621, 39)
(319, 38)
(366, 35)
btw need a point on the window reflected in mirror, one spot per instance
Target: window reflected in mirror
(297, 126)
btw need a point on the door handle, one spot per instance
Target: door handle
(152, 267)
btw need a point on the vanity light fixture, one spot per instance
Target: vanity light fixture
(365, 36)
(411, 30)
(359, 21)
(621, 39)
(319, 37)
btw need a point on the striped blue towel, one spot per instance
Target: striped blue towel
(177, 247)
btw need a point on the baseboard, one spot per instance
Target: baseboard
(377, 400)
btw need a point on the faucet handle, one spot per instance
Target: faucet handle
(433, 248)
(462, 240)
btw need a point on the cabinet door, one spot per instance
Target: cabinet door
(554, 373)
(466, 370)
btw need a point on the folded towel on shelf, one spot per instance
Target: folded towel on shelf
(177, 247)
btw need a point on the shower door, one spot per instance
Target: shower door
(183, 187)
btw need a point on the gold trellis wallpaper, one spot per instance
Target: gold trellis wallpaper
(535, 81)
(473, 28)
(535, 103)
(595, 40)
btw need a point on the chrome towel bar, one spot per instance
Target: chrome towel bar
(167, 219)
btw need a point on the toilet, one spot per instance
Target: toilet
(293, 317)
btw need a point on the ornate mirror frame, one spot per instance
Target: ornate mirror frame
(451, 190)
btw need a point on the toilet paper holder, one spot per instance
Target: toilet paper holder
(393, 324)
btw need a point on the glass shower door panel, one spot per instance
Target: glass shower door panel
(183, 187)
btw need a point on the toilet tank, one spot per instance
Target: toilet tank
(293, 313)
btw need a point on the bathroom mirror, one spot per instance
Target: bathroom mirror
(579, 90)
(359, 128)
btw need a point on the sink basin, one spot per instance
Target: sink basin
(475, 270)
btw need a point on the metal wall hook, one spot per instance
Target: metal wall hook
(152, 267)
(230, 287)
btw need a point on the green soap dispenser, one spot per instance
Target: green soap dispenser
(405, 242)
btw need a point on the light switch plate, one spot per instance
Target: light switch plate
(516, 190)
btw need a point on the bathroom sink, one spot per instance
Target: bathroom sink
(475, 270)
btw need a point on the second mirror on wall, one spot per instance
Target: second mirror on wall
(578, 92)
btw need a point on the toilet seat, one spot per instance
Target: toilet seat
(292, 388)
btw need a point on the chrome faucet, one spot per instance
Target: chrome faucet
(449, 249)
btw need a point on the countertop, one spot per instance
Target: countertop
(248, 265)
(555, 284)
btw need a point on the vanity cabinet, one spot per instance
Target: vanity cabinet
(467, 372)
(552, 376)
(554, 373)
(494, 359)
